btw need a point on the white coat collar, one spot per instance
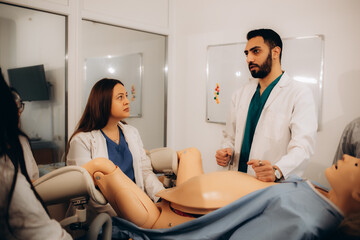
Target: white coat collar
(283, 82)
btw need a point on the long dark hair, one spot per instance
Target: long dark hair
(10, 146)
(98, 108)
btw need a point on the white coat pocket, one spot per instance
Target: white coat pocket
(274, 126)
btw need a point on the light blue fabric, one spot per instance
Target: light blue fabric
(290, 210)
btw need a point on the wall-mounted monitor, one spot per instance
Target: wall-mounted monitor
(30, 82)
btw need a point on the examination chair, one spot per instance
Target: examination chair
(67, 191)
(73, 186)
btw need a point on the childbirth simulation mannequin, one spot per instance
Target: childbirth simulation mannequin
(234, 203)
(350, 141)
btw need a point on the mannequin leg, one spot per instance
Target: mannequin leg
(127, 199)
(190, 164)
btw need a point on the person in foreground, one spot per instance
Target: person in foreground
(232, 205)
(102, 132)
(22, 213)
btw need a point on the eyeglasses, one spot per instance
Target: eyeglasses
(20, 105)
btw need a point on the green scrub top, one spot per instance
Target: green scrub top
(256, 106)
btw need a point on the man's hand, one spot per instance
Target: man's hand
(223, 156)
(263, 169)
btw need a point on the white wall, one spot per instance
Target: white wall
(200, 23)
(140, 14)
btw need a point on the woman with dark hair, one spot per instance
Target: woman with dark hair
(101, 132)
(22, 212)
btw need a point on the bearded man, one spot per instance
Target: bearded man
(271, 129)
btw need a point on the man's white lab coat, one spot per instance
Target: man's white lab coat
(286, 131)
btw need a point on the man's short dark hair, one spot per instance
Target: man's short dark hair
(271, 38)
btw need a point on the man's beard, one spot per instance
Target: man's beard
(264, 69)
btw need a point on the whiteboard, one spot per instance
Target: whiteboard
(127, 69)
(227, 71)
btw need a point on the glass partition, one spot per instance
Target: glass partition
(137, 59)
(128, 68)
(32, 50)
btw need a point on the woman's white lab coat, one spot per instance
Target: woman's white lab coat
(86, 146)
(286, 130)
(30, 162)
(27, 216)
